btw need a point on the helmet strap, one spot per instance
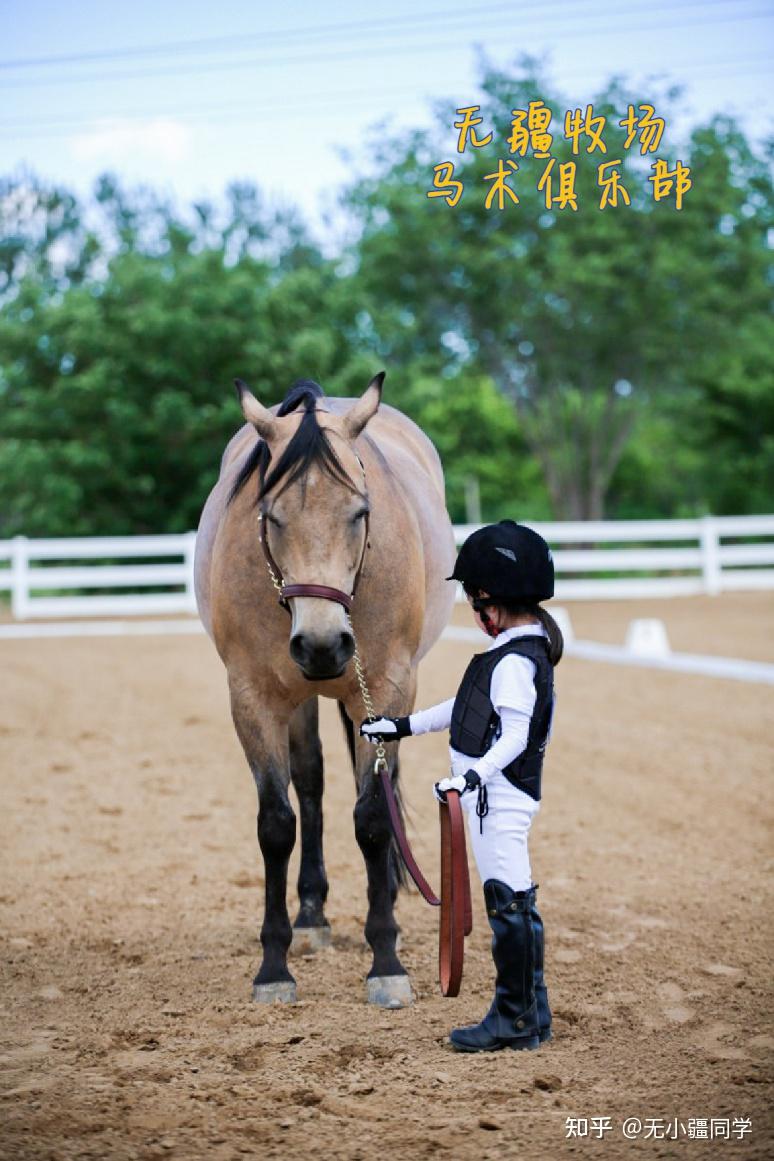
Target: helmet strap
(480, 604)
(487, 622)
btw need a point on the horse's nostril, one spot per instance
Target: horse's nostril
(297, 648)
(347, 644)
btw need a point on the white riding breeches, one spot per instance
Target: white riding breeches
(499, 840)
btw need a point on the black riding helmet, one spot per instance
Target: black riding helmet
(507, 560)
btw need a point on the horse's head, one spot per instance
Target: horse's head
(314, 507)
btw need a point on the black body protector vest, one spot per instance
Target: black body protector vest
(475, 723)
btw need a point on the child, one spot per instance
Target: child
(500, 724)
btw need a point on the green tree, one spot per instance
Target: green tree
(585, 321)
(115, 390)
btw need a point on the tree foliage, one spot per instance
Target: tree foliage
(587, 321)
(569, 364)
(115, 390)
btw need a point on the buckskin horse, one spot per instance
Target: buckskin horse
(319, 499)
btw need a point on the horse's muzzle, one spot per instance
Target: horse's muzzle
(322, 660)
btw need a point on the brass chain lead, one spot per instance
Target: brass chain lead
(381, 754)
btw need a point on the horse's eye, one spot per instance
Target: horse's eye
(275, 523)
(360, 515)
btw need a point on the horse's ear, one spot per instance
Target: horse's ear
(253, 411)
(365, 408)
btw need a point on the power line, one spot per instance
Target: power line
(376, 51)
(123, 116)
(304, 100)
(230, 113)
(205, 44)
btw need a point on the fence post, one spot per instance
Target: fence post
(189, 552)
(710, 556)
(20, 579)
(472, 500)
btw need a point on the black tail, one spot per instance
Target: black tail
(397, 866)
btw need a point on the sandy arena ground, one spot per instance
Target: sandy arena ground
(130, 897)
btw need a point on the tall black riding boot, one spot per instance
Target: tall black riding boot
(541, 993)
(512, 1020)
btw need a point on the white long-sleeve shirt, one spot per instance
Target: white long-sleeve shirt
(513, 695)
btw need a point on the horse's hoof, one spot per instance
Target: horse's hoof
(389, 991)
(308, 939)
(283, 990)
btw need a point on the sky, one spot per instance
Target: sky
(188, 96)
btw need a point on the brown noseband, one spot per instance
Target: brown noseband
(324, 591)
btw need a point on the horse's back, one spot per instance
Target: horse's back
(398, 436)
(416, 468)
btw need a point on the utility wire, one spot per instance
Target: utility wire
(305, 100)
(375, 52)
(266, 39)
(237, 114)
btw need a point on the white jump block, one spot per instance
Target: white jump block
(562, 618)
(647, 637)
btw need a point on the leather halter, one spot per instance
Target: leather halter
(326, 592)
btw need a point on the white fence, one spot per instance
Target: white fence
(658, 558)
(603, 560)
(39, 569)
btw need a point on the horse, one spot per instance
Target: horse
(317, 497)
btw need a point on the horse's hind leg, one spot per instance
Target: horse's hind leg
(264, 738)
(311, 929)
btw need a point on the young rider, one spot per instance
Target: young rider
(500, 723)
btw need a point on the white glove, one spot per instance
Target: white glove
(459, 782)
(385, 729)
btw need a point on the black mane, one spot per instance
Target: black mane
(309, 445)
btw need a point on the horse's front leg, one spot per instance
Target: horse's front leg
(264, 738)
(311, 929)
(387, 983)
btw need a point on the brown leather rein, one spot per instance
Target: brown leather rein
(456, 905)
(455, 901)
